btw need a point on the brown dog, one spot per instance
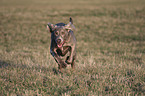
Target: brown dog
(62, 42)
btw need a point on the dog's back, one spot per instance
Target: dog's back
(60, 24)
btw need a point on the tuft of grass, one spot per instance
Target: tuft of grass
(110, 48)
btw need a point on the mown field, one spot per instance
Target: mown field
(110, 48)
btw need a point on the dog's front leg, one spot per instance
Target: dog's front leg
(61, 64)
(72, 53)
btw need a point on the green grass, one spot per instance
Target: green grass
(110, 48)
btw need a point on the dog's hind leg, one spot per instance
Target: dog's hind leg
(72, 64)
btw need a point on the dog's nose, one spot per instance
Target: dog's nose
(58, 41)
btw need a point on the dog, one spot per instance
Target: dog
(63, 41)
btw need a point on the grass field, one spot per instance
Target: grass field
(110, 48)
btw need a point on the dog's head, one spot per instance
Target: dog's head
(60, 32)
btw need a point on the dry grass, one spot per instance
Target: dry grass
(110, 48)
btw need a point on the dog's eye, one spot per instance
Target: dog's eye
(56, 33)
(62, 33)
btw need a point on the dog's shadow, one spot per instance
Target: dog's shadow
(4, 64)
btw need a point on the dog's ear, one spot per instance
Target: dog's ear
(51, 27)
(70, 25)
(70, 20)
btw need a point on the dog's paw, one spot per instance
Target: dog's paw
(68, 61)
(63, 64)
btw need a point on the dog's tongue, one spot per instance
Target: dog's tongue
(59, 45)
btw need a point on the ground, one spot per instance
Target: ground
(110, 48)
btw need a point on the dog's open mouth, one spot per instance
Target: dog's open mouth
(60, 45)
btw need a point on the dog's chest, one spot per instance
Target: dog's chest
(61, 49)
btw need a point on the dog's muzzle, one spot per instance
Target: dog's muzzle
(59, 44)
